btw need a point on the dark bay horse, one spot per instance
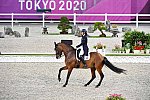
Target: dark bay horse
(95, 62)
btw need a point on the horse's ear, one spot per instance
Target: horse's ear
(55, 44)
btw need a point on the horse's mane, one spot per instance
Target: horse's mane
(69, 46)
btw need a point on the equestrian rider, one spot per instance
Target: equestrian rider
(83, 43)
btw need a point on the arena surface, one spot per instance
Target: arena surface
(38, 81)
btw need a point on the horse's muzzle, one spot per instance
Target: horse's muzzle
(58, 57)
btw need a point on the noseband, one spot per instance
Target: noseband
(58, 52)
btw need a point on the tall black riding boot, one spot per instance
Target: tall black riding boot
(84, 62)
(78, 53)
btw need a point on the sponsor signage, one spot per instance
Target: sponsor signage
(75, 6)
(52, 4)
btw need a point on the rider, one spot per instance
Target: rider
(83, 43)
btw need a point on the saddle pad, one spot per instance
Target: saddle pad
(87, 57)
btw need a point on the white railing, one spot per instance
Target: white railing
(12, 21)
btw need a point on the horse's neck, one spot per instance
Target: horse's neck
(66, 51)
(69, 56)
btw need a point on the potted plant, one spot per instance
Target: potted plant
(122, 50)
(147, 49)
(138, 48)
(64, 25)
(147, 43)
(133, 38)
(117, 49)
(100, 48)
(147, 39)
(115, 97)
(127, 48)
(100, 26)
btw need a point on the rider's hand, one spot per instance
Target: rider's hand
(77, 46)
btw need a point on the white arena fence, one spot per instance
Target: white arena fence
(74, 15)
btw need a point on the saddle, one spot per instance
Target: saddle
(82, 59)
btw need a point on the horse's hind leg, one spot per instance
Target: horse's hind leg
(63, 68)
(93, 76)
(101, 75)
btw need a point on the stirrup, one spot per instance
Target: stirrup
(84, 66)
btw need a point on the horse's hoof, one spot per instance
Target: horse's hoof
(85, 85)
(64, 85)
(96, 86)
(59, 79)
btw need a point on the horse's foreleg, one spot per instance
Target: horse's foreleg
(63, 68)
(93, 76)
(68, 75)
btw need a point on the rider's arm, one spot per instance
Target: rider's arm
(79, 45)
(84, 41)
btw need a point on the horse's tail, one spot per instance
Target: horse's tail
(112, 67)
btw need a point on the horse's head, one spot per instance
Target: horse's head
(58, 50)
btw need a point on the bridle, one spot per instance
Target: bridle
(58, 52)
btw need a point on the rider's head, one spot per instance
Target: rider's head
(84, 32)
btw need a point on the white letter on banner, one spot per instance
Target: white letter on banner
(21, 4)
(45, 3)
(36, 4)
(52, 3)
(29, 5)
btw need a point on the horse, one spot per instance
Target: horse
(95, 62)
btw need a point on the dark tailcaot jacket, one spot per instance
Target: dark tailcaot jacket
(84, 45)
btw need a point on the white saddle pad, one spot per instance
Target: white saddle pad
(87, 57)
